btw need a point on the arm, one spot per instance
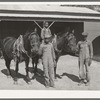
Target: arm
(41, 50)
(78, 46)
(42, 33)
(49, 31)
(53, 53)
(91, 50)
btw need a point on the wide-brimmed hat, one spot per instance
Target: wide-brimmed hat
(45, 22)
(85, 34)
(47, 36)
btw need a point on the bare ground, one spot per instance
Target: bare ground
(67, 76)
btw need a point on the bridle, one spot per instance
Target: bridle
(65, 41)
(31, 56)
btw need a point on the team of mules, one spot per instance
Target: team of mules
(31, 45)
(66, 42)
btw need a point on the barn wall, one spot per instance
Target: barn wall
(15, 28)
(93, 28)
(61, 26)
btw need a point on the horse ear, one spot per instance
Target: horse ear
(29, 37)
(67, 33)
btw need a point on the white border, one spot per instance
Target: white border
(54, 3)
(50, 93)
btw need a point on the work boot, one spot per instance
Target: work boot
(52, 86)
(47, 86)
(85, 81)
(81, 82)
(87, 84)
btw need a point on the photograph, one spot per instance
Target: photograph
(49, 46)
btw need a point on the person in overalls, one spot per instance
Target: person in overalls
(48, 57)
(85, 57)
(45, 30)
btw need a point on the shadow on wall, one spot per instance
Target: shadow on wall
(96, 48)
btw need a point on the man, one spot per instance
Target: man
(85, 56)
(45, 30)
(48, 57)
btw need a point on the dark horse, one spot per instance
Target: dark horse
(31, 45)
(66, 44)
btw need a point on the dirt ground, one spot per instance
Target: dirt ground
(67, 76)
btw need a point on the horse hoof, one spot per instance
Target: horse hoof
(9, 76)
(15, 83)
(28, 79)
(29, 83)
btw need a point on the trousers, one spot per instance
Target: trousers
(48, 66)
(84, 69)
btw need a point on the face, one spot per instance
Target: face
(84, 38)
(46, 40)
(34, 43)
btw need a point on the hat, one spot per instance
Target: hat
(47, 36)
(44, 23)
(85, 34)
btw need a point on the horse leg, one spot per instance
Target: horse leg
(8, 61)
(36, 62)
(33, 62)
(55, 67)
(16, 71)
(27, 70)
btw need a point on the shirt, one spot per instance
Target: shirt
(85, 49)
(45, 31)
(47, 51)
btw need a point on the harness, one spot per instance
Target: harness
(18, 47)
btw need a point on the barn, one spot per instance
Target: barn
(16, 19)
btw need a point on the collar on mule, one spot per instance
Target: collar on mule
(18, 47)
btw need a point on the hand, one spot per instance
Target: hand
(90, 61)
(58, 50)
(55, 63)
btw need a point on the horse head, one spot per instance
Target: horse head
(70, 43)
(34, 42)
(66, 41)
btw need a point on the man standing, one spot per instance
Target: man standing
(85, 56)
(48, 58)
(45, 30)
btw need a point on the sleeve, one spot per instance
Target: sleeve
(53, 53)
(42, 33)
(78, 46)
(50, 32)
(91, 49)
(54, 44)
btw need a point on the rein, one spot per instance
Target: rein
(65, 39)
(18, 47)
(26, 51)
